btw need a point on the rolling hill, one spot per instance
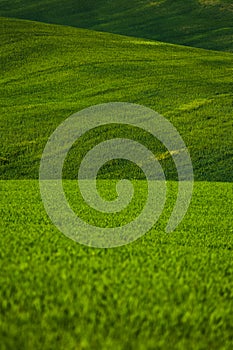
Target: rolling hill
(50, 72)
(200, 23)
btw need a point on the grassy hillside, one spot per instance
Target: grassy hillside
(201, 23)
(50, 72)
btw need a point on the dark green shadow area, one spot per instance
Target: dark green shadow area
(204, 23)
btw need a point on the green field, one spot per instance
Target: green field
(163, 291)
(201, 23)
(50, 72)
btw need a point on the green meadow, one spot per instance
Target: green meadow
(50, 72)
(163, 291)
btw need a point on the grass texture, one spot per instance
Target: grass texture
(164, 291)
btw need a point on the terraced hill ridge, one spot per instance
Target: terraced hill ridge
(201, 23)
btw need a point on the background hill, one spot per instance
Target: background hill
(50, 72)
(200, 23)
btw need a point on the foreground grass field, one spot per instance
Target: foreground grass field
(200, 23)
(164, 291)
(50, 72)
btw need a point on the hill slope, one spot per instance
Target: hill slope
(50, 72)
(200, 23)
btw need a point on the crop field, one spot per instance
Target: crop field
(50, 72)
(164, 290)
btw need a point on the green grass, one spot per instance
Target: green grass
(50, 72)
(200, 23)
(164, 291)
